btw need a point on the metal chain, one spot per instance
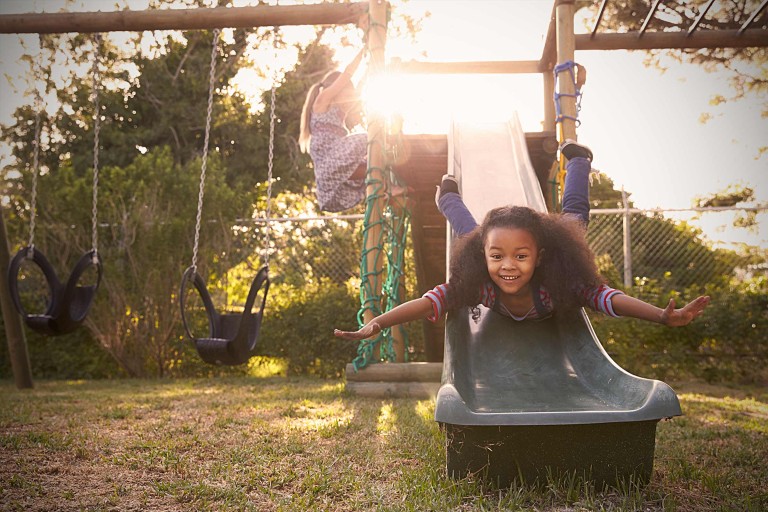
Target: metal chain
(204, 165)
(96, 129)
(271, 155)
(36, 150)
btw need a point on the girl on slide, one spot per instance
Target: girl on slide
(524, 264)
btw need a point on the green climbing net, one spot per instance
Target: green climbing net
(388, 221)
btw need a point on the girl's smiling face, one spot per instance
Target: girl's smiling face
(511, 255)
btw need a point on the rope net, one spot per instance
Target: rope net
(385, 230)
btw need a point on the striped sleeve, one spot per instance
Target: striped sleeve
(439, 299)
(600, 298)
(488, 295)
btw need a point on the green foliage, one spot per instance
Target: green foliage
(746, 66)
(299, 323)
(73, 356)
(726, 344)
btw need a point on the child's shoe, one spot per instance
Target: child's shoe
(447, 184)
(571, 149)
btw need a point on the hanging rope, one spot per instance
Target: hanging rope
(204, 164)
(577, 73)
(96, 128)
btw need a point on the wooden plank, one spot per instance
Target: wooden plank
(396, 372)
(182, 19)
(756, 37)
(466, 67)
(419, 390)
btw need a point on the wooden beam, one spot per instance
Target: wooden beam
(416, 390)
(396, 372)
(549, 53)
(473, 67)
(674, 40)
(549, 102)
(182, 19)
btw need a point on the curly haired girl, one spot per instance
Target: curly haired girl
(524, 264)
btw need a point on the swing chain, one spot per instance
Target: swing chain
(270, 159)
(204, 165)
(96, 129)
(35, 152)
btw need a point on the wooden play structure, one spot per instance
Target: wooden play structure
(427, 154)
(474, 410)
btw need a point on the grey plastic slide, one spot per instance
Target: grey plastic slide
(521, 399)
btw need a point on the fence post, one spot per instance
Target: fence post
(627, 242)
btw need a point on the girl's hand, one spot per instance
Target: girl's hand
(685, 315)
(368, 331)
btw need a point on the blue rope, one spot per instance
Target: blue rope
(560, 117)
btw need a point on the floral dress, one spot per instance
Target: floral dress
(336, 154)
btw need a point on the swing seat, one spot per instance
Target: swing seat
(232, 336)
(69, 303)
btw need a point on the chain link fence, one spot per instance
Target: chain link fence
(672, 244)
(630, 244)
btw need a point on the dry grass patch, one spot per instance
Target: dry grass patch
(304, 444)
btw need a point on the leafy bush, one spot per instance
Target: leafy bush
(298, 326)
(73, 356)
(726, 344)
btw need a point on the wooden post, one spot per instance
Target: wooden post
(374, 259)
(549, 101)
(398, 339)
(14, 333)
(566, 47)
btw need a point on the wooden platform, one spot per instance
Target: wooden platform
(421, 162)
(395, 380)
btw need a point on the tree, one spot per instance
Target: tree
(747, 66)
(147, 201)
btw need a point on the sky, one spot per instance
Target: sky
(643, 125)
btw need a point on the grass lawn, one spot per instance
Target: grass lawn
(305, 444)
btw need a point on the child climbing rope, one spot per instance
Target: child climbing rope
(331, 109)
(525, 264)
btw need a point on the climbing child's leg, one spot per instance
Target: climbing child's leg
(576, 192)
(452, 207)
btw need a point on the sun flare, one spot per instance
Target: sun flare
(427, 103)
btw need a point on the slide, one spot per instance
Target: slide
(524, 400)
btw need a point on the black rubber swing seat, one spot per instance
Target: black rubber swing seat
(232, 336)
(69, 303)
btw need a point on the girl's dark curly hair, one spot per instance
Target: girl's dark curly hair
(567, 265)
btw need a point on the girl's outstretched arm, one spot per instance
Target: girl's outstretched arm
(405, 312)
(328, 94)
(624, 305)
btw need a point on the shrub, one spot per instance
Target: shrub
(298, 327)
(727, 343)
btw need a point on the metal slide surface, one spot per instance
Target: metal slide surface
(498, 371)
